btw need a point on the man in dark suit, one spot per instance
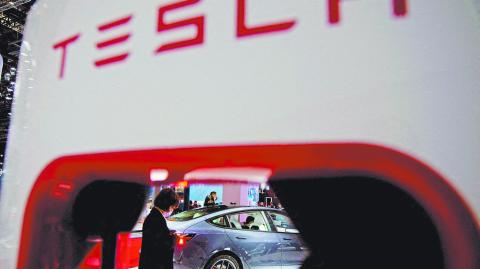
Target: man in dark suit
(157, 241)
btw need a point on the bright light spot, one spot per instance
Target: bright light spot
(65, 186)
(249, 174)
(158, 174)
(182, 184)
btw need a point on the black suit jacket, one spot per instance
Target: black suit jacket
(157, 243)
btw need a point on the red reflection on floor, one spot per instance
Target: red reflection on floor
(93, 260)
(127, 256)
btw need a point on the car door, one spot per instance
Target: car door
(294, 250)
(255, 242)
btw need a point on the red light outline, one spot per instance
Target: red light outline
(457, 225)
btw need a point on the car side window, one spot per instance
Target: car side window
(249, 220)
(282, 222)
(220, 221)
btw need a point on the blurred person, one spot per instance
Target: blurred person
(249, 221)
(146, 211)
(157, 241)
(178, 209)
(210, 199)
(195, 204)
(190, 205)
(149, 205)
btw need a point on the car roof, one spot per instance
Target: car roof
(242, 208)
(223, 209)
(228, 209)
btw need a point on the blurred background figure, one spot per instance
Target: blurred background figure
(210, 199)
(248, 222)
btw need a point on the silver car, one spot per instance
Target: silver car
(224, 237)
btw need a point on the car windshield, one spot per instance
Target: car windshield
(196, 213)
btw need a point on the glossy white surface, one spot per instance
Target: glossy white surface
(409, 83)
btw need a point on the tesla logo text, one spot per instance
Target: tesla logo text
(113, 41)
(198, 22)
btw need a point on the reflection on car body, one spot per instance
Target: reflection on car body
(236, 237)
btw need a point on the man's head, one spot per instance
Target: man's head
(166, 200)
(250, 219)
(213, 194)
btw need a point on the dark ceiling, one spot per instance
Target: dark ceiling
(12, 19)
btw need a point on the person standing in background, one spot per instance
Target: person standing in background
(157, 241)
(210, 199)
